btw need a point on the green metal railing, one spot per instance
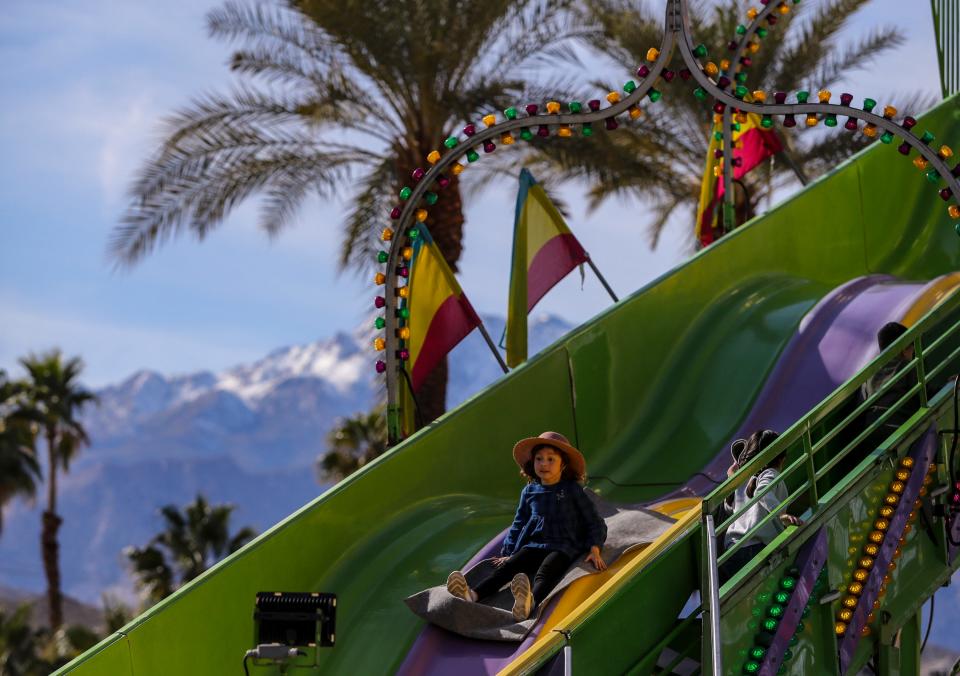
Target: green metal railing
(811, 472)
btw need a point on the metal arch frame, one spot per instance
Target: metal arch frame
(677, 33)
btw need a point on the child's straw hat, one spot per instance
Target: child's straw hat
(523, 450)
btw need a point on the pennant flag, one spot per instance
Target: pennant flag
(752, 145)
(440, 314)
(544, 252)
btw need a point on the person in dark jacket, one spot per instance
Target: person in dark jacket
(888, 335)
(556, 522)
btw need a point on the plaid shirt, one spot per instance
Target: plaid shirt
(560, 517)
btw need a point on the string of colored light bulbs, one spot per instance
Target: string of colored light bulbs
(878, 533)
(428, 183)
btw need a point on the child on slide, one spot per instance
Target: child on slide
(555, 524)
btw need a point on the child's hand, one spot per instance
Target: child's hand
(499, 560)
(595, 558)
(790, 520)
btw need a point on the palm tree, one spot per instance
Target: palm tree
(661, 158)
(337, 97)
(56, 398)
(19, 469)
(352, 443)
(191, 542)
(20, 644)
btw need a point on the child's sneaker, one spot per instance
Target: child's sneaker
(457, 585)
(522, 597)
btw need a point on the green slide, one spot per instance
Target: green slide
(651, 390)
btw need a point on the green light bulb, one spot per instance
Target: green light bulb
(383, 257)
(831, 120)
(886, 138)
(927, 137)
(526, 134)
(654, 95)
(741, 77)
(700, 93)
(770, 625)
(587, 129)
(700, 51)
(380, 323)
(751, 667)
(869, 104)
(431, 198)
(757, 653)
(740, 91)
(788, 583)
(630, 86)
(933, 176)
(718, 135)
(472, 155)
(451, 142)
(775, 611)
(782, 597)
(510, 113)
(405, 193)
(802, 96)
(766, 122)
(762, 33)
(413, 233)
(575, 106)
(741, 30)
(404, 313)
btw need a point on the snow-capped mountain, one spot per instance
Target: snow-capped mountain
(249, 435)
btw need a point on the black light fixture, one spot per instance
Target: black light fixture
(287, 621)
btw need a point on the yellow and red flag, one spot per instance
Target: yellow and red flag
(440, 314)
(752, 145)
(544, 252)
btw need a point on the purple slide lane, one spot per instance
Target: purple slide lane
(833, 342)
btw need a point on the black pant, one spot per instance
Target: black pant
(740, 558)
(544, 567)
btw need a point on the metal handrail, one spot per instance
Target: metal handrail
(801, 433)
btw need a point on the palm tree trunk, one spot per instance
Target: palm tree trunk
(446, 225)
(49, 545)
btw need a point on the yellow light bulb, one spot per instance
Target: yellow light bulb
(379, 344)
(887, 511)
(421, 215)
(855, 588)
(710, 68)
(456, 169)
(433, 157)
(889, 111)
(724, 64)
(489, 120)
(812, 120)
(404, 291)
(653, 54)
(897, 487)
(553, 107)
(945, 152)
(564, 131)
(903, 474)
(876, 537)
(954, 211)
(507, 139)
(386, 235)
(759, 96)
(741, 118)
(635, 113)
(379, 278)
(870, 130)
(865, 630)
(881, 524)
(407, 253)
(865, 562)
(613, 97)
(824, 96)
(919, 163)
(752, 13)
(404, 333)
(845, 614)
(891, 499)
(754, 47)
(906, 461)
(850, 601)
(840, 628)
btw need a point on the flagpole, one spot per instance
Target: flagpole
(493, 348)
(603, 281)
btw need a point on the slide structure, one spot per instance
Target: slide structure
(773, 325)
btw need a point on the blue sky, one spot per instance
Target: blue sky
(85, 86)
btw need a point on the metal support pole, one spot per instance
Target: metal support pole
(713, 593)
(493, 347)
(602, 280)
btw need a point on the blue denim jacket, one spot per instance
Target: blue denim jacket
(560, 517)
